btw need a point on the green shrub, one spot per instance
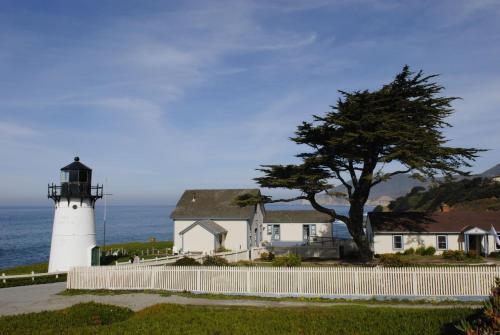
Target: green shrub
(267, 256)
(215, 261)
(420, 251)
(410, 251)
(186, 261)
(457, 255)
(289, 260)
(222, 249)
(429, 251)
(393, 260)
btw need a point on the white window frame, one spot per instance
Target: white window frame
(495, 241)
(269, 229)
(394, 242)
(274, 236)
(445, 239)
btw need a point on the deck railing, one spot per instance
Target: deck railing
(301, 281)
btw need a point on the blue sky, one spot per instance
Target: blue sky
(158, 97)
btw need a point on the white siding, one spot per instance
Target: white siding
(236, 238)
(292, 232)
(198, 239)
(382, 243)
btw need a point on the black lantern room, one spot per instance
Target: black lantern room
(76, 182)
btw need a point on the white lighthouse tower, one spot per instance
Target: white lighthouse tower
(73, 232)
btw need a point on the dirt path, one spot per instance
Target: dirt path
(37, 298)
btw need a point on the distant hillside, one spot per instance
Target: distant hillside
(493, 172)
(481, 194)
(397, 186)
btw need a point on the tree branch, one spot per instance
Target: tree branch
(329, 211)
(389, 175)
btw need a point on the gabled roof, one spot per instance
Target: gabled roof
(291, 216)
(209, 225)
(438, 222)
(213, 204)
(76, 165)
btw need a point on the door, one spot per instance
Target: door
(95, 256)
(475, 243)
(306, 232)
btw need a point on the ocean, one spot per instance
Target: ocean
(26, 231)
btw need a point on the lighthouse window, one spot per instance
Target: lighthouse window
(64, 176)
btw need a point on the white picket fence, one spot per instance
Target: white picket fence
(302, 281)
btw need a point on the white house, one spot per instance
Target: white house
(453, 230)
(206, 220)
(296, 227)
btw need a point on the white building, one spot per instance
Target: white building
(296, 227)
(207, 220)
(454, 230)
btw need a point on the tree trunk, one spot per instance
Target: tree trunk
(355, 227)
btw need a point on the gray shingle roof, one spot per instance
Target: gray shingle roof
(303, 216)
(209, 225)
(437, 222)
(213, 204)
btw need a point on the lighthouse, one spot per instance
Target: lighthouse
(73, 231)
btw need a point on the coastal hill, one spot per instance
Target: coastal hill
(398, 186)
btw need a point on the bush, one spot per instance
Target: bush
(289, 260)
(267, 256)
(410, 251)
(495, 254)
(215, 261)
(393, 260)
(222, 249)
(186, 261)
(420, 251)
(487, 321)
(457, 255)
(429, 251)
(245, 263)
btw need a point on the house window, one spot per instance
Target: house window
(269, 229)
(313, 230)
(497, 246)
(276, 232)
(397, 242)
(442, 242)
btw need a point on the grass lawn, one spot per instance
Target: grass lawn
(92, 318)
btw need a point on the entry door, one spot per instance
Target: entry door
(475, 243)
(95, 256)
(306, 232)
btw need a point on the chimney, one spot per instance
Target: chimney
(445, 208)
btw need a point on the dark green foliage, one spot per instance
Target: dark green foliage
(393, 260)
(420, 251)
(447, 192)
(456, 255)
(409, 251)
(186, 261)
(400, 122)
(288, 260)
(267, 256)
(177, 319)
(487, 320)
(429, 251)
(215, 261)
(88, 318)
(495, 254)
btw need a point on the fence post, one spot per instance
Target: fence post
(356, 282)
(248, 280)
(32, 278)
(198, 280)
(4, 280)
(116, 263)
(57, 275)
(414, 281)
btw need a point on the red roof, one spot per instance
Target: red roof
(437, 222)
